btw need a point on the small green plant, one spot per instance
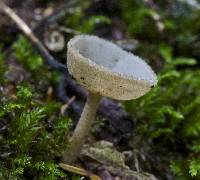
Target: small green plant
(138, 16)
(134, 13)
(36, 135)
(170, 113)
(26, 55)
(89, 25)
(33, 63)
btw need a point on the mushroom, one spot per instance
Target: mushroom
(104, 69)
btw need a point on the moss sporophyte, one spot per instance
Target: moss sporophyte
(104, 69)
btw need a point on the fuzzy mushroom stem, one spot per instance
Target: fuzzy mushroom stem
(82, 128)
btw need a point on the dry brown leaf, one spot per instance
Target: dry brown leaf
(79, 171)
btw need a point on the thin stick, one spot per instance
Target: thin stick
(50, 60)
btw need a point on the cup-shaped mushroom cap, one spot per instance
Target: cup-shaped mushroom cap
(105, 69)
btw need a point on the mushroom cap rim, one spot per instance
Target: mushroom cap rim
(105, 69)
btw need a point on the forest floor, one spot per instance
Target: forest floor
(31, 83)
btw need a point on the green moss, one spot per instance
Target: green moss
(170, 113)
(26, 55)
(30, 145)
(89, 25)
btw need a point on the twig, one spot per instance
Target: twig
(66, 105)
(50, 60)
(69, 30)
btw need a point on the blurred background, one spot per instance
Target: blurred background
(39, 104)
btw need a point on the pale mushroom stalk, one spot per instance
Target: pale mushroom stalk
(104, 69)
(82, 128)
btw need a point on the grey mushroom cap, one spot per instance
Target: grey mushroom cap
(105, 69)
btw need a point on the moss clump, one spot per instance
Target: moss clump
(35, 136)
(33, 131)
(170, 114)
(26, 55)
